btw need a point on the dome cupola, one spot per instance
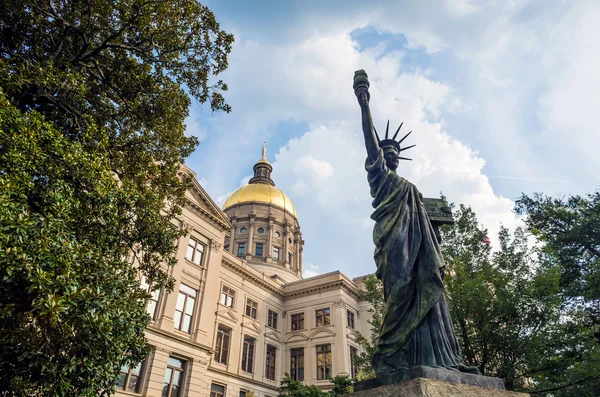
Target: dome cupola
(265, 229)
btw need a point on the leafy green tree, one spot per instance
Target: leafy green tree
(92, 128)
(569, 230)
(342, 385)
(372, 292)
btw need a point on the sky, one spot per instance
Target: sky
(501, 96)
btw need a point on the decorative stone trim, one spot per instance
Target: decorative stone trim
(215, 245)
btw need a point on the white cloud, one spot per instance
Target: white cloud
(529, 83)
(310, 270)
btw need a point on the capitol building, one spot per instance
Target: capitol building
(240, 314)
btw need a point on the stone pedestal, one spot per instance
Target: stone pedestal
(432, 382)
(422, 387)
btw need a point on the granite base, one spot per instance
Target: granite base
(421, 387)
(441, 374)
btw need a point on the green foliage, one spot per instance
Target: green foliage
(569, 230)
(372, 293)
(504, 304)
(291, 388)
(91, 139)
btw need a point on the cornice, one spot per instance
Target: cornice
(343, 284)
(216, 221)
(249, 275)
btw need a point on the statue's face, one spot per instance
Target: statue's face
(391, 157)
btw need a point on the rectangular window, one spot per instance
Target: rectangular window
(270, 362)
(289, 258)
(323, 362)
(241, 249)
(227, 296)
(217, 391)
(251, 308)
(248, 354)
(259, 249)
(184, 311)
(297, 364)
(350, 319)
(353, 354)
(173, 377)
(272, 319)
(195, 251)
(275, 253)
(152, 302)
(323, 317)
(129, 378)
(242, 393)
(297, 321)
(222, 345)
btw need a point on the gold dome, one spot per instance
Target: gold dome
(261, 193)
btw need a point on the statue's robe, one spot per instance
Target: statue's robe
(416, 329)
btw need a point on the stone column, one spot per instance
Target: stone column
(269, 255)
(286, 237)
(232, 236)
(340, 355)
(249, 250)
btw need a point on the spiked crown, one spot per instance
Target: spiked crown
(387, 142)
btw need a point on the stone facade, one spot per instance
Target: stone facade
(237, 324)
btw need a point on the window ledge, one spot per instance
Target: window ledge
(128, 393)
(197, 266)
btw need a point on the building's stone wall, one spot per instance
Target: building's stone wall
(253, 278)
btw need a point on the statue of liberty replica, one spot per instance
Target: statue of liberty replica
(417, 331)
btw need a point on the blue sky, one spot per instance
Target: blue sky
(502, 97)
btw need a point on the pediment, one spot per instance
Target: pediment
(321, 332)
(296, 338)
(274, 335)
(228, 314)
(252, 325)
(199, 199)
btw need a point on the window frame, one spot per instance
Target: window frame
(187, 296)
(195, 247)
(229, 294)
(248, 351)
(323, 316)
(251, 308)
(271, 362)
(272, 318)
(297, 371)
(241, 251)
(128, 375)
(214, 393)
(154, 298)
(276, 253)
(353, 371)
(256, 249)
(297, 318)
(350, 319)
(325, 351)
(182, 370)
(223, 333)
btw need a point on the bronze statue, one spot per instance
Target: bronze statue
(417, 329)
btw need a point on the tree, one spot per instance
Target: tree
(373, 294)
(569, 231)
(92, 136)
(342, 385)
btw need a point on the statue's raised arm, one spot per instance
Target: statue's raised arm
(361, 90)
